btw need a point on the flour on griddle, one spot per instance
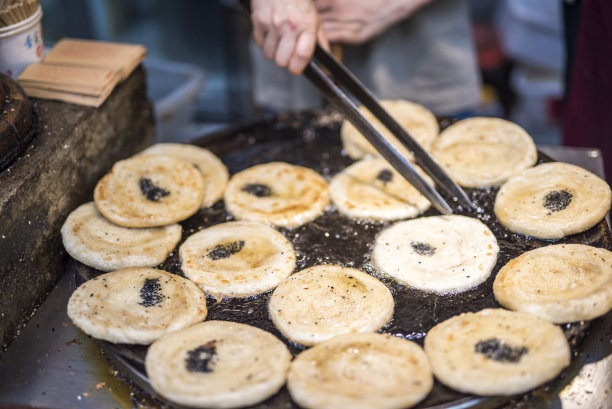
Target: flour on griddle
(360, 371)
(481, 152)
(496, 352)
(323, 301)
(210, 166)
(136, 305)
(552, 200)
(443, 254)
(237, 259)
(561, 283)
(277, 193)
(421, 124)
(371, 189)
(149, 191)
(94, 241)
(217, 364)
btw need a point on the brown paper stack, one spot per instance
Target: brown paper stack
(82, 72)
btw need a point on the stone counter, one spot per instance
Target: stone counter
(74, 148)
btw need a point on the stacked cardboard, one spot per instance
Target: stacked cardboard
(82, 72)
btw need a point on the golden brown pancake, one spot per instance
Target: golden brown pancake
(323, 301)
(213, 170)
(420, 123)
(360, 371)
(237, 259)
(371, 189)
(149, 191)
(560, 283)
(442, 254)
(94, 241)
(136, 305)
(496, 352)
(217, 364)
(552, 200)
(479, 152)
(277, 193)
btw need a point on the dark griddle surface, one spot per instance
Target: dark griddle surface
(311, 139)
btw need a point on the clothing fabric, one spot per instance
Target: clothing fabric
(588, 116)
(428, 58)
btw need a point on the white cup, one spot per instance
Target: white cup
(21, 44)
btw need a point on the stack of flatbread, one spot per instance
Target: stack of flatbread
(333, 312)
(132, 221)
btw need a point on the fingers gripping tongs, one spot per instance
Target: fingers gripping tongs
(329, 75)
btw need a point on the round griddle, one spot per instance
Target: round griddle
(312, 139)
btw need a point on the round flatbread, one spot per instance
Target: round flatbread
(94, 241)
(217, 364)
(496, 352)
(213, 170)
(552, 200)
(420, 122)
(277, 193)
(136, 305)
(371, 189)
(480, 152)
(149, 191)
(560, 283)
(360, 371)
(442, 254)
(323, 301)
(237, 259)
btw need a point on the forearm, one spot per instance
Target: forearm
(357, 21)
(406, 8)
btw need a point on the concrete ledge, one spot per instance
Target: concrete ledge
(74, 148)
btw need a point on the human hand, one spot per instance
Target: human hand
(357, 21)
(287, 31)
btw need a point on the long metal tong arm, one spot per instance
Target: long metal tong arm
(315, 74)
(363, 95)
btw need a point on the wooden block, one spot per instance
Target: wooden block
(91, 81)
(79, 99)
(81, 72)
(117, 56)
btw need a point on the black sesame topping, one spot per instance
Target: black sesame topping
(200, 359)
(557, 200)
(150, 191)
(225, 250)
(150, 293)
(498, 350)
(385, 176)
(423, 249)
(257, 189)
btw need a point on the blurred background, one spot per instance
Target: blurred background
(199, 68)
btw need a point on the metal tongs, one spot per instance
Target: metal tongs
(329, 75)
